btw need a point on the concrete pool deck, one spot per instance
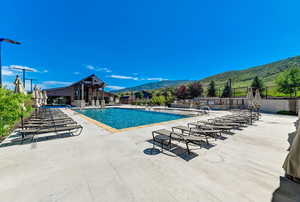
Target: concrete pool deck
(103, 166)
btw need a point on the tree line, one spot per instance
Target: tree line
(286, 83)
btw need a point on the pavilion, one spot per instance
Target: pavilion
(86, 92)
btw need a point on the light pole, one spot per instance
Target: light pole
(31, 90)
(9, 41)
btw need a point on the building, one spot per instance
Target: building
(128, 99)
(86, 92)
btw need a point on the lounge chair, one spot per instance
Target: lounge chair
(37, 131)
(220, 123)
(47, 120)
(49, 124)
(164, 135)
(210, 127)
(197, 132)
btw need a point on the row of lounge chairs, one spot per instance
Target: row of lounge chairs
(48, 121)
(201, 131)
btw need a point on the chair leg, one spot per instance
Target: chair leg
(187, 147)
(32, 138)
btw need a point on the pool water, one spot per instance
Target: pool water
(124, 118)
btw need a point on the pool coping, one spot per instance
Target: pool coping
(114, 130)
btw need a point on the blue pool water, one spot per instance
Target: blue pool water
(124, 118)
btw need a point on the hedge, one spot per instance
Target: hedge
(11, 110)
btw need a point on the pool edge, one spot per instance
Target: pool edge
(114, 130)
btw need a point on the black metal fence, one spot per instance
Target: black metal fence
(266, 92)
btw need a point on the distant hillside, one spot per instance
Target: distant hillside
(154, 85)
(267, 73)
(241, 78)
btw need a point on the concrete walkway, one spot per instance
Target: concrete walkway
(101, 166)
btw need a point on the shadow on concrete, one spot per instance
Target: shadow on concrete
(228, 133)
(222, 138)
(16, 139)
(288, 191)
(152, 151)
(175, 150)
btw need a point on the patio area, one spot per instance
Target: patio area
(103, 166)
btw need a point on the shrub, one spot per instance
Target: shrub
(286, 112)
(11, 110)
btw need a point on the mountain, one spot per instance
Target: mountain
(154, 85)
(243, 78)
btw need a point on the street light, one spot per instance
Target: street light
(9, 41)
(31, 83)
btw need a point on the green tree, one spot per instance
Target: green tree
(257, 84)
(288, 80)
(138, 95)
(211, 92)
(195, 89)
(158, 100)
(227, 92)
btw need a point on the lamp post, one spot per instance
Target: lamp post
(9, 41)
(31, 90)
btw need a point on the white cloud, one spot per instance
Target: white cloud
(76, 73)
(104, 69)
(98, 69)
(57, 83)
(115, 87)
(90, 67)
(156, 79)
(124, 77)
(45, 71)
(7, 72)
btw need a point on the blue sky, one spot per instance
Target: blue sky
(128, 43)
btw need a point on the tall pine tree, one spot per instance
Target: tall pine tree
(211, 92)
(257, 84)
(227, 92)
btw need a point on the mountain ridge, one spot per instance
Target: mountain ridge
(240, 78)
(153, 85)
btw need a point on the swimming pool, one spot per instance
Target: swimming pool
(125, 118)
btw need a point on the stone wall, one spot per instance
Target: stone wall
(275, 105)
(268, 105)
